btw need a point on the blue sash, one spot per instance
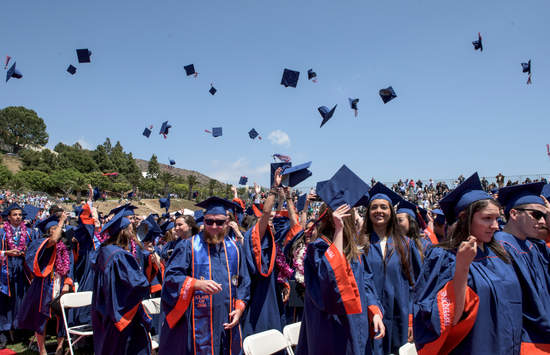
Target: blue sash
(202, 302)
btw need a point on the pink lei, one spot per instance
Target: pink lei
(298, 263)
(62, 260)
(133, 249)
(285, 272)
(10, 231)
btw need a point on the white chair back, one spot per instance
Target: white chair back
(76, 299)
(265, 343)
(408, 349)
(152, 305)
(292, 333)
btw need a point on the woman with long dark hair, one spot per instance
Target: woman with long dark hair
(468, 299)
(337, 294)
(410, 218)
(393, 261)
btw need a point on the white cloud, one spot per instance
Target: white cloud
(230, 172)
(279, 137)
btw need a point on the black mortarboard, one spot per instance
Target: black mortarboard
(212, 90)
(172, 162)
(326, 114)
(13, 73)
(47, 223)
(217, 131)
(83, 55)
(456, 201)
(353, 104)
(190, 69)
(146, 132)
(515, 195)
(294, 175)
(243, 180)
(275, 166)
(387, 94)
(311, 74)
(478, 44)
(290, 78)
(345, 187)
(164, 128)
(526, 67)
(71, 69)
(252, 133)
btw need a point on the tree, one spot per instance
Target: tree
(118, 158)
(102, 160)
(165, 178)
(21, 127)
(5, 175)
(191, 182)
(35, 180)
(212, 184)
(153, 168)
(133, 174)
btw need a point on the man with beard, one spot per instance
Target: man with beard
(206, 289)
(14, 280)
(526, 212)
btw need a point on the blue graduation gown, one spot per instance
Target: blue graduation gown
(14, 282)
(35, 309)
(194, 320)
(119, 320)
(394, 291)
(529, 266)
(491, 322)
(335, 304)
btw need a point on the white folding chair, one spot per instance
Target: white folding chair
(152, 306)
(76, 300)
(266, 343)
(292, 333)
(408, 349)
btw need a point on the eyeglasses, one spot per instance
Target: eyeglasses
(534, 213)
(217, 222)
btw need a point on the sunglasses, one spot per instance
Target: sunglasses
(534, 213)
(217, 222)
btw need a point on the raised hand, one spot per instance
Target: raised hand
(338, 216)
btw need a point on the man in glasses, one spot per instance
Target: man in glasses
(206, 289)
(526, 212)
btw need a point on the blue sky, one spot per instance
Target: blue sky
(457, 110)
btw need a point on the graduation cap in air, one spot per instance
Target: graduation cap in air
(216, 205)
(47, 223)
(512, 196)
(172, 162)
(253, 134)
(190, 70)
(412, 210)
(478, 44)
(243, 180)
(293, 175)
(344, 187)
(387, 94)
(381, 192)
(13, 73)
(147, 131)
(164, 128)
(353, 104)
(311, 75)
(217, 132)
(7, 62)
(165, 203)
(128, 210)
(71, 69)
(83, 55)
(275, 166)
(30, 212)
(462, 196)
(212, 90)
(526, 68)
(290, 78)
(301, 203)
(326, 114)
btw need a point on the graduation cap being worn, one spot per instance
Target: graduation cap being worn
(190, 70)
(312, 75)
(153, 229)
(290, 78)
(83, 55)
(381, 192)
(30, 212)
(164, 128)
(71, 69)
(165, 203)
(353, 104)
(198, 215)
(166, 226)
(387, 94)
(294, 175)
(13, 73)
(13, 206)
(172, 162)
(326, 114)
(275, 166)
(462, 196)
(117, 223)
(412, 210)
(546, 191)
(526, 68)
(344, 187)
(253, 134)
(512, 196)
(127, 209)
(243, 180)
(478, 44)
(147, 131)
(439, 216)
(216, 205)
(47, 223)
(212, 90)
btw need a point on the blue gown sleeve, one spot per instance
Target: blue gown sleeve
(243, 290)
(331, 284)
(40, 258)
